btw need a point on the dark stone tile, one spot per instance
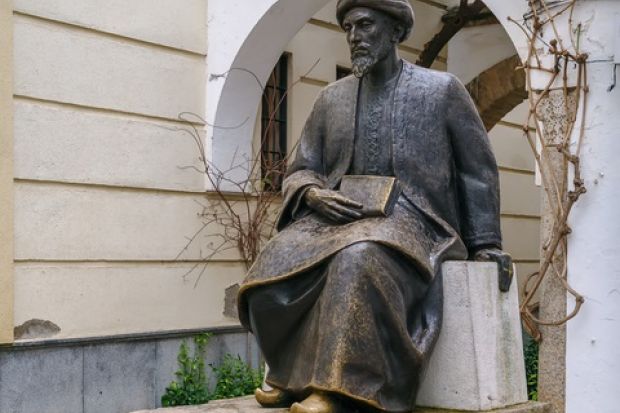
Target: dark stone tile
(222, 344)
(167, 365)
(119, 378)
(254, 354)
(37, 381)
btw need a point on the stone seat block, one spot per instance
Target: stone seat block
(477, 364)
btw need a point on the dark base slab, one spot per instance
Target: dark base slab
(249, 405)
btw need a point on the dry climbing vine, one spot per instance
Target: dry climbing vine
(557, 155)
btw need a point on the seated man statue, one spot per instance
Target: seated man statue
(347, 306)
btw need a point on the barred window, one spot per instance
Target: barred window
(273, 127)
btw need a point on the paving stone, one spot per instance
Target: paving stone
(45, 380)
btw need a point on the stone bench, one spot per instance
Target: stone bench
(477, 364)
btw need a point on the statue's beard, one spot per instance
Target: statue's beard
(362, 64)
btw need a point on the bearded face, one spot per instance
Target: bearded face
(370, 34)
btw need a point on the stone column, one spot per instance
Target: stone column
(555, 122)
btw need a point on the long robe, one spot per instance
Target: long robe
(355, 309)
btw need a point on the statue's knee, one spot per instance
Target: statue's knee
(359, 250)
(354, 263)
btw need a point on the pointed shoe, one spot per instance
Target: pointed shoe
(273, 398)
(315, 403)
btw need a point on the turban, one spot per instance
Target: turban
(398, 9)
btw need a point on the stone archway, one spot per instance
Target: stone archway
(498, 90)
(241, 56)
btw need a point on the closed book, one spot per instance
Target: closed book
(377, 194)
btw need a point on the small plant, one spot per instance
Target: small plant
(191, 386)
(234, 378)
(530, 351)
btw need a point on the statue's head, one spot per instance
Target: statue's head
(374, 29)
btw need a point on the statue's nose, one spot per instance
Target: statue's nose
(354, 36)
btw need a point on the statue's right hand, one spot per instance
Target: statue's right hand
(331, 204)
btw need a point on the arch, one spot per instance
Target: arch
(245, 41)
(498, 90)
(241, 56)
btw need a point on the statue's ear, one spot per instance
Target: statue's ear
(399, 31)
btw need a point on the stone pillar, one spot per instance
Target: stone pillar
(555, 121)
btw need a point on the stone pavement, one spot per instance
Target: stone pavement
(248, 405)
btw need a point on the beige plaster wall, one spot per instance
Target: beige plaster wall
(104, 201)
(6, 171)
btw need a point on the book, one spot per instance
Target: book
(377, 194)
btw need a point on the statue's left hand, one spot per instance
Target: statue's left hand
(504, 264)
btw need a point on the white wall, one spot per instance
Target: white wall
(592, 350)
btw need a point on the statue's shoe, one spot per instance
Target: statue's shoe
(315, 403)
(273, 398)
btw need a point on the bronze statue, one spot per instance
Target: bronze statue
(346, 306)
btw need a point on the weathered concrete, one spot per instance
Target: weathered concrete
(478, 362)
(248, 405)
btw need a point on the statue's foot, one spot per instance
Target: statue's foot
(315, 403)
(273, 398)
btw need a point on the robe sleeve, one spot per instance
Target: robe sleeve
(307, 169)
(477, 176)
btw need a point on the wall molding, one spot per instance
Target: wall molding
(121, 338)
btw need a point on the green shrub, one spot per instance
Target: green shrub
(530, 352)
(234, 378)
(191, 385)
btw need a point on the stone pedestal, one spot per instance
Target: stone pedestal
(478, 362)
(249, 405)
